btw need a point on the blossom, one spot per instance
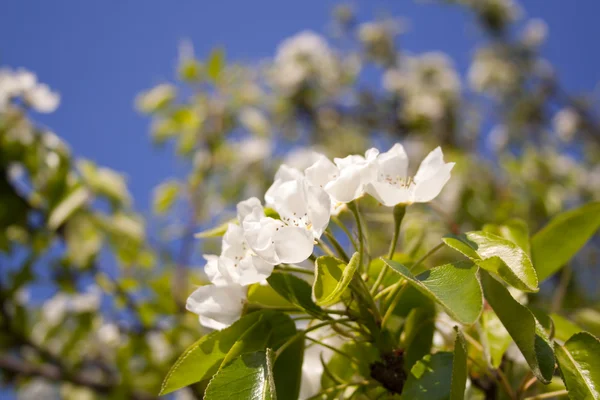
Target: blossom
(217, 306)
(302, 58)
(237, 263)
(355, 172)
(393, 186)
(42, 99)
(285, 241)
(24, 84)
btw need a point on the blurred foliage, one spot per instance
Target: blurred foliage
(91, 298)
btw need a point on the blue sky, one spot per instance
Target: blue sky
(100, 54)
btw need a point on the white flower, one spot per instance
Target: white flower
(237, 263)
(42, 99)
(303, 57)
(24, 84)
(217, 306)
(109, 334)
(355, 172)
(302, 157)
(393, 186)
(566, 123)
(535, 32)
(276, 241)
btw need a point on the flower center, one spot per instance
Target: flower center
(398, 181)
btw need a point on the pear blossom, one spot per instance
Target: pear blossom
(217, 306)
(355, 172)
(22, 83)
(289, 240)
(393, 186)
(237, 263)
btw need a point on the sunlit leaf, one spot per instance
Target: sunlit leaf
(294, 290)
(579, 362)
(454, 286)
(249, 376)
(497, 255)
(202, 359)
(554, 245)
(522, 326)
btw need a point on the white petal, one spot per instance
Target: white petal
(293, 245)
(321, 172)
(393, 163)
(284, 174)
(211, 269)
(351, 182)
(234, 244)
(247, 207)
(218, 306)
(427, 189)
(389, 195)
(319, 209)
(253, 269)
(259, 232)
(430, 164)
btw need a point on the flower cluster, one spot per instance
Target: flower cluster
(302, 59)
(23, 84)
(304, 202)
(428, 84)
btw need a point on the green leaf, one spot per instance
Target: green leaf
(418, 335)
(499, 256)
(459, 367)
(294, 290)
(522, 326)
(332, 277)
(217, 231)
(215, 64)
(202, 359)
(498, 338)
(264, 295)
(430, 378)
(248, 377)
(554, 245)
(454, 286)
(515, 230)
(67, 206)
(579, 362)
(288, 370)
(165, 196)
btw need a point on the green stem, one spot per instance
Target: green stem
(325, 248)
(399, 212)
(340, 352)
(429, 253)
(548, 395)
(336, 388)
(385, 291)
(343, 227)
(292, 268)
(304, 332)
(396, 295)
(338, 247)
(353, 206)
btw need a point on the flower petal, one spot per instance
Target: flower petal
(321, 172)
(389, 195)
(217, 306)
(427, 189)
(293, 245)
(246, 207)
(393, 163)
